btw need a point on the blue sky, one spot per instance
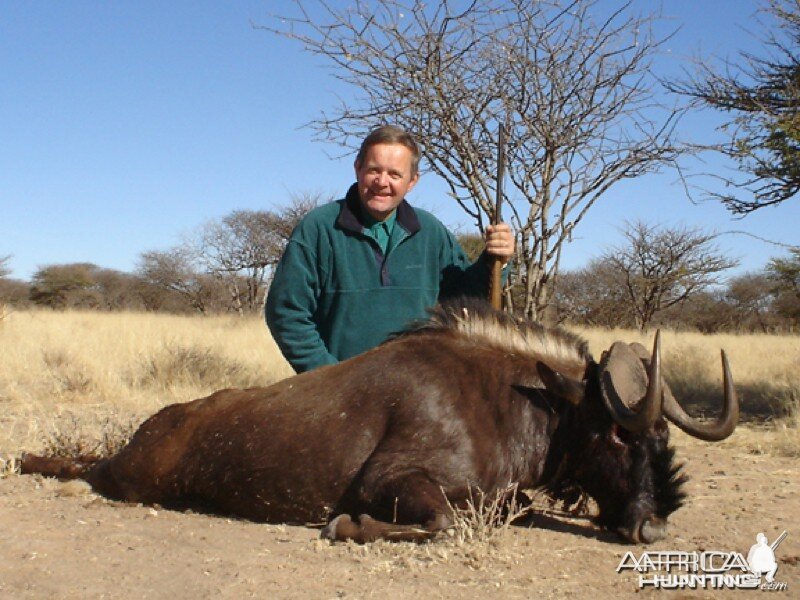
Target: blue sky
(125, 126)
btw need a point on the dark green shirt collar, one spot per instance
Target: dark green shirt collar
(371, 222)
(351, 217)
(380, 231)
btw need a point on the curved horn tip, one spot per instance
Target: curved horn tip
(656, 354)
(654, 372)
(727, 377)
(725, 424)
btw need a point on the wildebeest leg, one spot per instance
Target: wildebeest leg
(367, 529)
(413, 498)
(56, 466)
(91, 469)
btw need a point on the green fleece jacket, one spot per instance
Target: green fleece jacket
(335, 294)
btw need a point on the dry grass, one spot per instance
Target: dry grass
(68, 379)
(8, 466)
(477, 539)
(485, 517)
(777, 438)
(131, 358)
(766, 369)
(76, 435)
(82, 381)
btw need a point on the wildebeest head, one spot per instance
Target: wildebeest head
(608, 419)
(620, 453)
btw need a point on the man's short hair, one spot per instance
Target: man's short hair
(390, 134)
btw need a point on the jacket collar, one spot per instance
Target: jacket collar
(350, 216)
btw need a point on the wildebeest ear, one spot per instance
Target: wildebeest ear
(562, 386)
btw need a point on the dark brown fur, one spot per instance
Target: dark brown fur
(434, 413)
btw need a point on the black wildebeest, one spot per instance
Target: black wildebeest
(471, 399)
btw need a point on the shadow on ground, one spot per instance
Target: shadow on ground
(568, 524)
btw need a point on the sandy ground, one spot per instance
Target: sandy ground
(60, 541)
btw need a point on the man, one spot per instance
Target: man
(361, 268)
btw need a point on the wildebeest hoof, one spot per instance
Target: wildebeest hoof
(646, 532)
(652, 530)
(329, 531)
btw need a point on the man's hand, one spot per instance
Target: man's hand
(500, 241)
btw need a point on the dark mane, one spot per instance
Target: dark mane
(475, 318)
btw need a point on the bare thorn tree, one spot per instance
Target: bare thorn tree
(175, 270)
(761, 95)
(241, 243)
(571, 83)
(242, 248)
(286, 218)
(661, 267)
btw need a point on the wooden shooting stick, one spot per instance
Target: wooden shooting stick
(496, 283)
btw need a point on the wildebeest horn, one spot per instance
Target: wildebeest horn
(623, 379)
(709, 432)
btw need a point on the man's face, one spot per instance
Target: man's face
(384, 178)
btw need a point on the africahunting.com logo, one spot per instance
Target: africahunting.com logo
(709, 569)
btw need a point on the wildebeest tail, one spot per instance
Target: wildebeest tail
(56, 466)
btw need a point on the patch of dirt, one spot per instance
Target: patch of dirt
(60, 541)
